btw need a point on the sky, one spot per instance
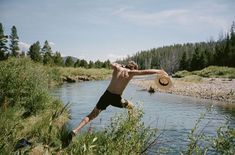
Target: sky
(112, 29)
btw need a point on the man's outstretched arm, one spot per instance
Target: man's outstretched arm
(147, 72)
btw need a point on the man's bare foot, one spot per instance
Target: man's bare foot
(68, 139)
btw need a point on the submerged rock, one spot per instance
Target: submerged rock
(151, 90)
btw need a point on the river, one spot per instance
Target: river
(174, 115)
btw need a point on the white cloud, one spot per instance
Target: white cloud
(51, 43)
(24, 46)
(120, 10)
(86, 56)
(114, 57)
(152, 19)
(209, 14)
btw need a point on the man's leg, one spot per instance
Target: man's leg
(130, 106)
(95, 112)
(127, 104)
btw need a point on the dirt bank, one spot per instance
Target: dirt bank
(209, 88)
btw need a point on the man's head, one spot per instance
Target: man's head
(132, 65)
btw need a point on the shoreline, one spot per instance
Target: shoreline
(216, 89)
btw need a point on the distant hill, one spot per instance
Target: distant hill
(74, 58)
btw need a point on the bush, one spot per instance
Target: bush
(192, 78)
(24, 84)
(125, 135)
(216, 71)
(181, 74)
(210, 72)
(26, 108)
(199, 143)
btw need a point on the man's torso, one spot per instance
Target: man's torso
(119, 81)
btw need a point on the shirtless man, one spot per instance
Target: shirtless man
(112, 96)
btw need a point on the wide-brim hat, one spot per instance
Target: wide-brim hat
(163, 82)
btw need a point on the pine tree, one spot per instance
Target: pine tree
(77, 63)
(183, 62)
(3, 44)
(35, 52)
(226, 52)
(14, 47)
(47, 54)
(22, 54)
(98, 64)
(91, 64)
(84, 63)
(106, 64)
(58, 60)
(208, 58)
(195, 60)
(201, 61)
(232, 46)
(69, 62)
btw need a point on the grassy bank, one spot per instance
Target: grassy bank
(209, 72)
(57, 74)
(27, 109)
(93, 73)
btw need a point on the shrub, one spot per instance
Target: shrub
(23, 83)
(210, 72)
(26, 108)
(199, 143)
(192, 78)
(181, 74)
(125, 135)
(216, 71)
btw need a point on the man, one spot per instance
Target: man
(121, 76)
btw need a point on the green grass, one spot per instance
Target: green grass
(93, 73)
(27, 110)
(192, 78)
(56, 74)
(209, 72)
(200, 143)
(126, 134)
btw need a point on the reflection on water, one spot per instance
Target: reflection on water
(173, 114)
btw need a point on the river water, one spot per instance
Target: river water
(174, 115)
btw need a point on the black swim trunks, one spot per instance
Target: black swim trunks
(110, 99)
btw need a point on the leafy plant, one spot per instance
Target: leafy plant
(126, 134)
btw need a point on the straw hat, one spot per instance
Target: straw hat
(163, 81)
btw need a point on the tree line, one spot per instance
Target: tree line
(43, 55)
(189, 56)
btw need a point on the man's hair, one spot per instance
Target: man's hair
(132, 65)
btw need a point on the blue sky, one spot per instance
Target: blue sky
(110, 29)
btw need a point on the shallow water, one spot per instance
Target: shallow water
(174, 115)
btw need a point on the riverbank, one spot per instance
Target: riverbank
(71, 74)
(218, 89)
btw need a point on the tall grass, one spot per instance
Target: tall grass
(126, 135)
(200, 144)
(27, 109)
(23, 84)
(92, 73)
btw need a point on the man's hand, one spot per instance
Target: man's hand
(115, 65)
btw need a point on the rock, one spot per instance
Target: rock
(151, 89)
(83, 78)
(70, 79)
